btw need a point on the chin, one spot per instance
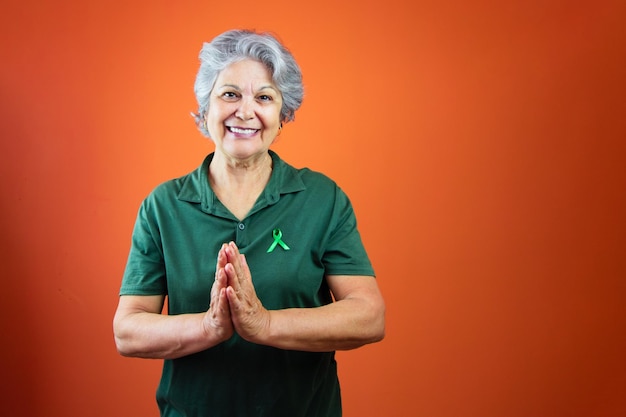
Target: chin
(244, 152)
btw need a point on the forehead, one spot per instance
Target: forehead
(245, 72)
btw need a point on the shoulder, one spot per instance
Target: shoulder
(318, 192)
(317, 179)
(305, 177)
(188, 187)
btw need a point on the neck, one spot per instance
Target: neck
(238, 184)
(233, 174)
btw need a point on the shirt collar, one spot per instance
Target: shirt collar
(285, 179)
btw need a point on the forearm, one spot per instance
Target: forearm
(157, 336)
(343, 325)
(355, 319)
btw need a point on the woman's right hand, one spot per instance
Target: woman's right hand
(217, 320)
(142, 331)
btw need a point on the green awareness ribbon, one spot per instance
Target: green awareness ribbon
(277, 235)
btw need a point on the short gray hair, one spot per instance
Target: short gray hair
(236, 45)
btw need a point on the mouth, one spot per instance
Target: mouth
(242, 131)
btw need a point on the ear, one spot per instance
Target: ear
(201, 123)
(277, 137)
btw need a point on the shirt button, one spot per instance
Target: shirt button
(241, 226)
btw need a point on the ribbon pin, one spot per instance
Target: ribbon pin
(277, 235)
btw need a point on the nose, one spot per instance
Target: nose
(245, 111)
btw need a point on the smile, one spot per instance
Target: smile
(242, 131)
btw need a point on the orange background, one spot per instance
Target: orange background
(482, 144)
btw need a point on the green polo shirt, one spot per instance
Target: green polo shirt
(301, 229)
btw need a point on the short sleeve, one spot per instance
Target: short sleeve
(145, 269)
(344, 253)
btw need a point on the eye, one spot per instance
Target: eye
(265, 97)
(229, 95)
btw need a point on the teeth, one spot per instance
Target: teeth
(242, 131)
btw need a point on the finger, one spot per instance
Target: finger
(244, 262)
(234, 257)
(219, 283)
(219, 269)
(245, 273)
(220, 311)
(223, 307)
(234, 302)
(233, 269)
(214, 289)
(222, 258)
(213, 294)
(217, 319)
(241, 291)
(239, 281)
(239, 262)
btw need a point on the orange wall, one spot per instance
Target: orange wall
(482, 143)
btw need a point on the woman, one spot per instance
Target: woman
(262, 264)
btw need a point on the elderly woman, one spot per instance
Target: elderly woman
(262, 265)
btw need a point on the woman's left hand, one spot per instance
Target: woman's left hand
(356, 318)
(250, 318)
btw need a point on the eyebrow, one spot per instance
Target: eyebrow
(236, 87)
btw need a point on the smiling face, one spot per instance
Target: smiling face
(244, 111)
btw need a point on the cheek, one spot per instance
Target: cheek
(215, 117)
(272, 119)
(214, 128)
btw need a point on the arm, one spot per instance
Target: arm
(141, 330)
(356, 318)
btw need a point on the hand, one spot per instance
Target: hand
(217, 320)
(250, 319)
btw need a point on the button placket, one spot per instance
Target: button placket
(241, 235)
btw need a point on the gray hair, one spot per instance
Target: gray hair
(236, 45)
